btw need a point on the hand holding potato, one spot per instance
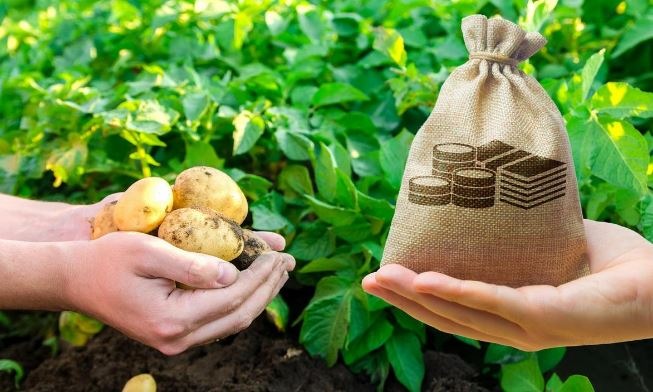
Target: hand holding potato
(127, 280)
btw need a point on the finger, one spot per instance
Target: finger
(192, 269)
(511, 304)
(290, 261)
(276, 241)
(419, 312)
(202, 306)
(400, 280)
(240, 318)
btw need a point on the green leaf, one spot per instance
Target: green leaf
(201, 154)
(296, 178)
(195, 105)
(500, 354)
(333, 93)
(346, 194)
(4, 320)
(389, 42)
(266, 216)
(620, 153)
(248, 128)
(150, 116)
(359, 319)
(243, 24)
(278, 312)
(622, 100)
(394, 153)
(375, 337)
(576, 383)
(313, 243)
(337, 216)
(639, 32)
(471, 342)
(410, 324)
(377, 208)
(8, 365)
(294, 145)
(310, 22)
(554, 384)
(324, 264)
(550, 358)
(326, 318)
(405, 355)
(589, 72)
(325, 172)
(524, 376)
(646, 222)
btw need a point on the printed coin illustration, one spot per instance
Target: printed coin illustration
(469, 202)
(474, 191)
(476, 177)
(429, 200)
(454, 152)
(449, 167)
(430, 185)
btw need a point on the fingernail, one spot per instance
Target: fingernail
(227, 273)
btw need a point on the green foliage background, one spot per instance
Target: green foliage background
(311, 107)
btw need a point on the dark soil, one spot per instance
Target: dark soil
(258, 359)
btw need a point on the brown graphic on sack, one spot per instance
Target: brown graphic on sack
(466, 176)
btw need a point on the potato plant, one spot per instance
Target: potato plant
(311, 107)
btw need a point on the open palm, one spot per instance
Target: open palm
(614, 303)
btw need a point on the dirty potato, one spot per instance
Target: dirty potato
(253, 248)
(206, 187)
(203, 231)
(143, 205)
(103, 223)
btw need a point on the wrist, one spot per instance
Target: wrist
(34, 275)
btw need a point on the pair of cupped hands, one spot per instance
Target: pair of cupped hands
(128, 281)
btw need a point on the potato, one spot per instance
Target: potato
(141, 383)
(143, 205)
(203, 231)
(103, 223)
(206, 187)
(253, 248)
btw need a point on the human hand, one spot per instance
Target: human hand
(612, 304)
(127, 280)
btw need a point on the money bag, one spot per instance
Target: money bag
(489, 191)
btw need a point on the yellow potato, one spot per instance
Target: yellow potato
(203, 231)
(143, 205)
(206, 187)
(141, 383)
(103, 223)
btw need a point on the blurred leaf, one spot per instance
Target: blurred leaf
(332, 93)
(589, 72)
(248, 129)
(639, 32)
(394, 153)
(8, 365)
(278, 312)
(201, 154)
(550, 358)
(390, 42)
(499, 354)
(326, 178)
(524, 376)
(470, 342)
(621, 100)
(576, 384)
(405, 354)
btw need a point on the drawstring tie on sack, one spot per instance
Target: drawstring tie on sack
(496, 57)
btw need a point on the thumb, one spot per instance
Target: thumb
(195, 270)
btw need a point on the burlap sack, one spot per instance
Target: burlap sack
(489, 191)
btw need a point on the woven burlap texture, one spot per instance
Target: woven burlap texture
(489, 99)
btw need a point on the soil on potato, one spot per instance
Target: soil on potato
(257, 359)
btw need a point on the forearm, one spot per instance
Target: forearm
(31, 220)
(34, 275)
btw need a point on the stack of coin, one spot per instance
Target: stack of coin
(532, 182)
(429, 190)
(449, 157)
(495, 154)
(473, 188)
